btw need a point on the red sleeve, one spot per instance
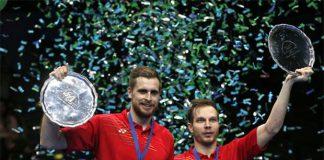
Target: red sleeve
(82, 137)
(247, 146)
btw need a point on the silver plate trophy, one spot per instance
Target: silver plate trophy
(290, 48)
(70, 102)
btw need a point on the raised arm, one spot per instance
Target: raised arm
(50, 135)
(268, 130)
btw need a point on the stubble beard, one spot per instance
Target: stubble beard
(143, 114)
(206, 142)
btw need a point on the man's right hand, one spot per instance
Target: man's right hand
(60, 72)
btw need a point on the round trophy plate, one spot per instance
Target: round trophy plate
(69, 102)
(290, 48)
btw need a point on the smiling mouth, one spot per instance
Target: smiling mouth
(147, 105)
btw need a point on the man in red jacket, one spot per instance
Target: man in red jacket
(204, 125)
(132, 134)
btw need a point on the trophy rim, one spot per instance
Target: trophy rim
(299, 33)
(93, 92)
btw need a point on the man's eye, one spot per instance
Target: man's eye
(154, 93)
(142, 91)
(200, 120)
(213, 120)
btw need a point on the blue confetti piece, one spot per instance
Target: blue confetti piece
(180, 71)
(86, 152)
(275, 66)
(21, 90)
(230, 10)
(260, 96)
(36, 43)
(18, 66)
(95, 68)
(31, 109)
(259, 58)
(171, 90)
(242, 113)
(111, 107)
(226, 100)
(220, 32)
(3, 50)
(259, 37)
(234, 104)
(101, 110)
(310, 92)
(242, 123)
(26, 79)
(21, 48)
(217, 95)
(270, 95)
(261, 116)
(31, 99)
(30, 31)
(272, 7)
(237, 44)
(38, 77)
(23, 42)
(247, 101)
(41, 21)
(234, 92)
(246, 46)
(63, 55)
(197, 93)
(189, 88)
(321, 97)
(50, 151)
(256, 119)
(219, 12)
(173, 108)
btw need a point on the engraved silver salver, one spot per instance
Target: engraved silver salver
(69, 102)
(290, 48)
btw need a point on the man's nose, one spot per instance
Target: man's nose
(148, 96)
(207, 124)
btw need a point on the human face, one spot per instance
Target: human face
(205, 126)
(145, 96)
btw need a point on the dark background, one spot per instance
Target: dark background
(225, 58)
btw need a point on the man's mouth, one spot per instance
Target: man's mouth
(208, 134)
(147, 105)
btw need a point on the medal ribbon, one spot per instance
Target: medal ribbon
(140, 156)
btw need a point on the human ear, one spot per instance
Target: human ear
(190, 127)
(129, 92)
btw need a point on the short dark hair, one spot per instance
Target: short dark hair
(142, 71)
(198, 103)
